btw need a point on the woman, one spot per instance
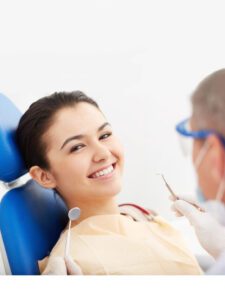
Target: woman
(68, 145)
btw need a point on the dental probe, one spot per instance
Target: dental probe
(175, 197)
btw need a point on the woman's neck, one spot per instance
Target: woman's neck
(94, 208)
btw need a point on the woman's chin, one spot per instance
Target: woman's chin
(111, 191)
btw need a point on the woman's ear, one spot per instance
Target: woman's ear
(43, 177)
(217, 155)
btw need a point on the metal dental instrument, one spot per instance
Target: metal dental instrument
(73, 214)
(175, 197)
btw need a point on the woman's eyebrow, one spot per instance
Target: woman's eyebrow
(80, 136)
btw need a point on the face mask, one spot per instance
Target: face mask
(201, 155)
(200, 196)
(221, 189)
(216, 209)
(198, 160)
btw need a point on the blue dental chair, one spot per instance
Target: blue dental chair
(31, 217)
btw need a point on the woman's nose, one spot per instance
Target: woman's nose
(101, 153)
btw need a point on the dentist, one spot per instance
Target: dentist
(205, 130)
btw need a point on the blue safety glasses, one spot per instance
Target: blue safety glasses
(184, 130)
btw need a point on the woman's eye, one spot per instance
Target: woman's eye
(105, 136)
(76, 148)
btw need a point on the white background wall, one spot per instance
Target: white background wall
(139, 59)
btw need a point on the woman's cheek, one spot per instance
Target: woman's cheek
(120, 151)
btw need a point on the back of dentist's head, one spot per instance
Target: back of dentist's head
(208, 103)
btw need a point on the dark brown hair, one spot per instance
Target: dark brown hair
(36, 121)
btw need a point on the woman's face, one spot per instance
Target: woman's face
(86, 159)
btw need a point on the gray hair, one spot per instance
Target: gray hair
(208, 102)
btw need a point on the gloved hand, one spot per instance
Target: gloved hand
(72, 267)
(58, 265)
(210, 233)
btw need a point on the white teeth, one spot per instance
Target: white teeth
(103, 172)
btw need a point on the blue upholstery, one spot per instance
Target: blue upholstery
(31, 220)
(11, 164)
(31, 217)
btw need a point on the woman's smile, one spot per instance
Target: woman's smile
(104, 173)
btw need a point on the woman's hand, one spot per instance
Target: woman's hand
(58, 265)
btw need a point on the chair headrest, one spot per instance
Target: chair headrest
(11, 163)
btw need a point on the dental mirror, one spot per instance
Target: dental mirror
(73, 214)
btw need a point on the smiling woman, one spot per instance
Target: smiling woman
(68, 145)
(73, 147)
